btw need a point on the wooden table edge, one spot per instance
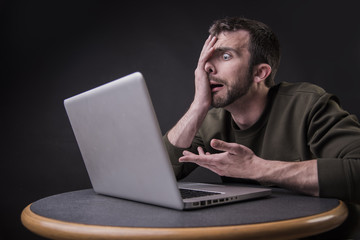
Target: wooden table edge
(284, 229)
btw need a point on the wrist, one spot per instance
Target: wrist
(183, 133)
(298, 176)
(199, 105)
(262, 170)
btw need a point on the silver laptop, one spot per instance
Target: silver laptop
(121, 144)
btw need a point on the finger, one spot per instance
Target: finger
(200, 151)
(187, 153)
(206, 44)
(206, 161)
(210, 45)
(224, 146)
(210, 41)
(194, 158)
(189, 158)
(208, 49)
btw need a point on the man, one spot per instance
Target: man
(292, 135)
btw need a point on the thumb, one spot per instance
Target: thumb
(223, 146)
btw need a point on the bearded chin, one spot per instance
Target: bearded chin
(233, 93)
(220, 102)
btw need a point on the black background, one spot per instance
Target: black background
(51, 50)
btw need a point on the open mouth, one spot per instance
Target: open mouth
(215, 87)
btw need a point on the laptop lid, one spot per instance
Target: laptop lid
(120, 141)
(121, 144)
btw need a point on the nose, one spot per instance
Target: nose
(209, 67)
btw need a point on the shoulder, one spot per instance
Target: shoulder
(302, 94)
(300, 88)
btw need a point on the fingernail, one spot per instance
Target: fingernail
(214, 143)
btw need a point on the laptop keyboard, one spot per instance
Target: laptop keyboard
(188, 193)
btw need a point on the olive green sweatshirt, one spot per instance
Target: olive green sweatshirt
(300, 122)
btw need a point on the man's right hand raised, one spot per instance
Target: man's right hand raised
(183, 133)
(202, 84)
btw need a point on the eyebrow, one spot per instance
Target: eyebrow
(224, 49)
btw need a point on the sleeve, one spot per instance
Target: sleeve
(334, 138)
(181, 170)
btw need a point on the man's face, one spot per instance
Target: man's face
(228, 68)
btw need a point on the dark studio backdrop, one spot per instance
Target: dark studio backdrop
(52, 50)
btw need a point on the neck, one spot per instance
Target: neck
(247, 110)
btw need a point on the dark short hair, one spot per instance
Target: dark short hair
(264, 45)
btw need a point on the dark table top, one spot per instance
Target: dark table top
(87, 207)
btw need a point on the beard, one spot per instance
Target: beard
(235, 91)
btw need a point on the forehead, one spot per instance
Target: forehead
(238, 40)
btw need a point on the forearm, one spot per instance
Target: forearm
(238, 161)
(298, 176)
(183, 133)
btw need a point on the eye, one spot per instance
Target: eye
(226, 56)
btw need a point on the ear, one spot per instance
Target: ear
(261, 72)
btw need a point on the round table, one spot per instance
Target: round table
(86, 215)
